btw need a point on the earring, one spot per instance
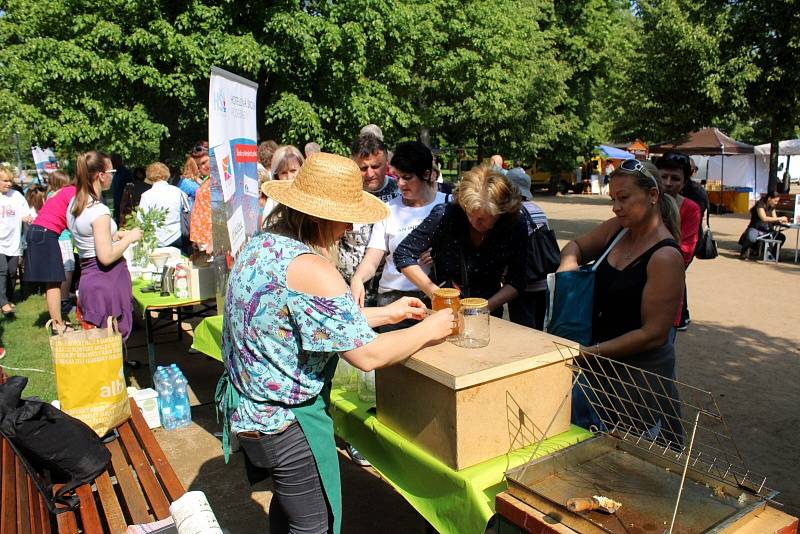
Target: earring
(653, 204)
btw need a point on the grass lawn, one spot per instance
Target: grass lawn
(26, 342)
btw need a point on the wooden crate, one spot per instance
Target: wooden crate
(465, 406)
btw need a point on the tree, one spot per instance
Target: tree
(767, 30)
(128, 77)
(687, 73)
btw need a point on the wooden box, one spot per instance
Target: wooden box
(465, 406)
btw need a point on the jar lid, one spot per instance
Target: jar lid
(474, 303)
(447, 292)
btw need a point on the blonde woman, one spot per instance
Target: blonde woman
(477, 243)
(169, 198)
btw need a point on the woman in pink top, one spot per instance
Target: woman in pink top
(43, 257)
(675, 169)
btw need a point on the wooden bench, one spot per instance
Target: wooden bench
(137, 487)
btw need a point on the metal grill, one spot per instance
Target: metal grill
(679, 424)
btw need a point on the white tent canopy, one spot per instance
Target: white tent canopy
(749, 171)
(790, 147)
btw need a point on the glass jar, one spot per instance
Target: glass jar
(474, 323)
(447, 297)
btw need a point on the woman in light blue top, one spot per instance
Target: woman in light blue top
(288, 315)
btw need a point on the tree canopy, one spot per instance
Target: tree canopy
(529, 79)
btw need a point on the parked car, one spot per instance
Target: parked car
(546, 176)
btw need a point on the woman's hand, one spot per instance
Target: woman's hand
(132, 236)
(783, 220)
(358, 290)
(440, 324)
(405, 308)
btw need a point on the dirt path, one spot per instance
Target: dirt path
(742, 345)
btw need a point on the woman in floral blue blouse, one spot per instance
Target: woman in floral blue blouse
(288, 314)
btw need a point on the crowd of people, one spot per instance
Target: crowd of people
(352, 250)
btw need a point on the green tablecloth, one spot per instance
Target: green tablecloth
(208, 337)
(458, 502)
(153, 301)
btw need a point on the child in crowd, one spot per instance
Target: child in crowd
(14, 211)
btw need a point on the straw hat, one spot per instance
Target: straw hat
(329, 187)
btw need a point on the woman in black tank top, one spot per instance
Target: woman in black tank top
(639, 284)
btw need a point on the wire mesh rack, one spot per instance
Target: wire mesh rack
(675, 425)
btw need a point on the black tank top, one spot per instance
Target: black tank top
(618, 294)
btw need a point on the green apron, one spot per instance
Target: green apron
(317, 426)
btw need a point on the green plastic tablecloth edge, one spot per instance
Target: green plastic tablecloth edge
(451, 501)
(457, 502)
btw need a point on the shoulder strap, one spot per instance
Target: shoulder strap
(616, 240)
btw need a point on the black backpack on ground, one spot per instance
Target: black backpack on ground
(47, 439)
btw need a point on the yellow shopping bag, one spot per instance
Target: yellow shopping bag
(90, 381)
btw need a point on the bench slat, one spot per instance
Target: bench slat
(90, 518)
(33, 506)
(23, 522)
(8, 508)
(66, 521)
(152, 488)
(44, 515)
(163, 468)
(111, 508)
(131, 492)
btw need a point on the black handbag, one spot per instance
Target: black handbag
(707, 248)
(544, 255)
(45, 438)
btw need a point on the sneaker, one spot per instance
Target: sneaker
(357, 457)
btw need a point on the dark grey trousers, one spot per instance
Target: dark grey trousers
(298, 503)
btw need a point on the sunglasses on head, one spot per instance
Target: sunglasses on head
(680, 159)
(634, 165)
(199, 149)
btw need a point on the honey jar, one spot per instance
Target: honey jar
(448, 297)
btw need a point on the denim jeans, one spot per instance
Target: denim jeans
(298, 503)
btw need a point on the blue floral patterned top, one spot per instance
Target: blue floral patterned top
(276, 341)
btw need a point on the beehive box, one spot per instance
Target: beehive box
(465, 406)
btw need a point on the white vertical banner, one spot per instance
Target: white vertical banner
(45, 161)
(232, 147)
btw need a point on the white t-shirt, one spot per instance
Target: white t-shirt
(81, 227)
(165, 196)
(390, 232)
(13, 207)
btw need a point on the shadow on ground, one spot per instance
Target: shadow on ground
(762, 416)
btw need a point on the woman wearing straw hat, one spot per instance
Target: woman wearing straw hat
(288, 313)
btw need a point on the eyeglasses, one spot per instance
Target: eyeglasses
(112, 172)
(407, 177)
(633, 165)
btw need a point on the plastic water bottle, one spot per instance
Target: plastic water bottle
(183, 410)
(165, 390)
